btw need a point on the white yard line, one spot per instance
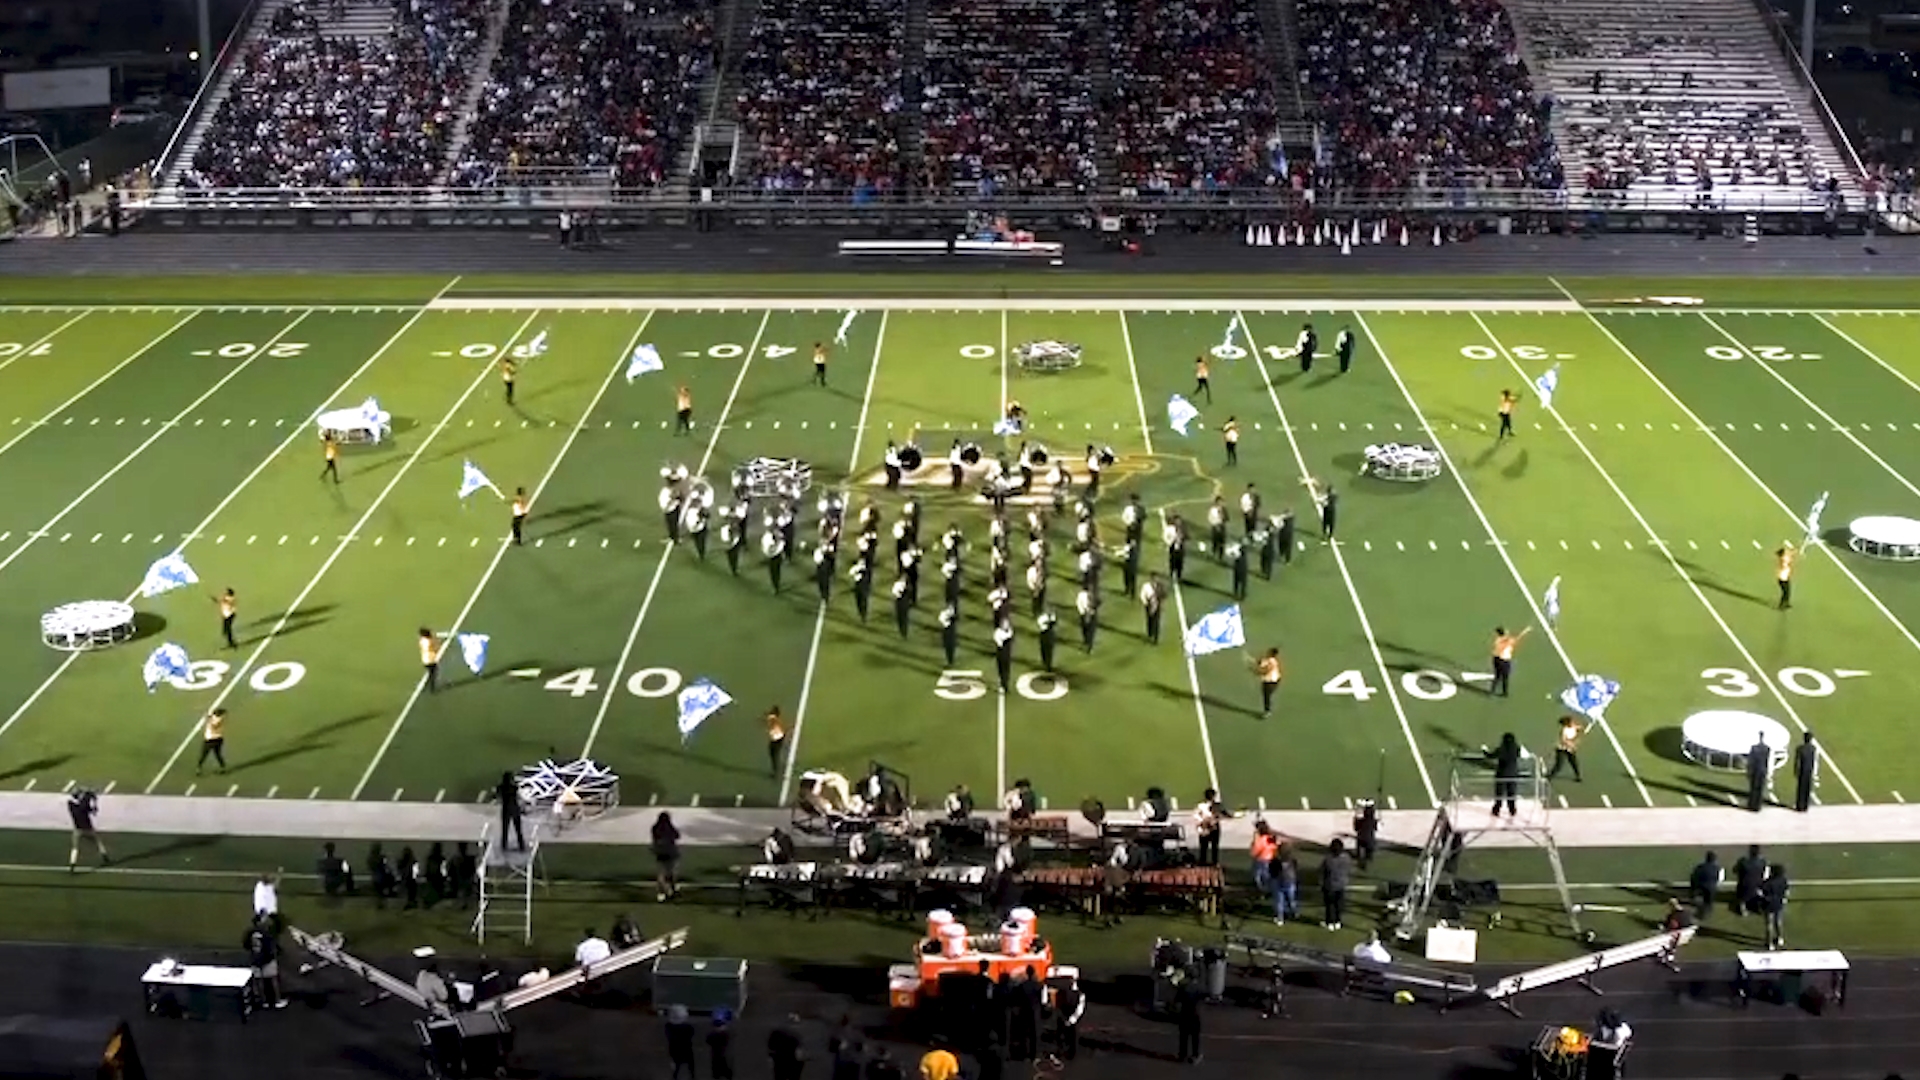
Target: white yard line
(1653, 538)
(1000, 699)
(1811, 404)
(298, 431)
(1868, 353)
(1179, 599)
(820, 619)
(149, 441)
(239, 675)
(1003, 361)
(97, 383)
(1533, 605)
(500, 551)
(1339, 560)
(646, 602)
(27, 350)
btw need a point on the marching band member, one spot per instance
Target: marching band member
(1262, 538)
(1283, 541)
(959, 803)
(1026, 468)
(1085, 530)
(1134, 517)
(733, 533)
(1003, 651)
(1037, 585)
(1206, 826)
(997, 600)
(1237, 555)
(1130, 566)
(777, 848)
(862, 576)
(950, 570)
(1217, 528)
(1250, 508)
(952, 541)
(1088, 605)
(1088, 564)
(910, 574)
(696, 524)
(1060, 481)
(927, 849)
(1019, 802)
(1306, 345)
(742, 484)
(823, 571)
(950, 630)
(902, 605)
(1036, 523)
(901, 538)
(1037, 549)
(997, 528)
(910, 513)
(1230, 435)
(869, 518)
(997, 560)
(1048, 637)
(892, 462)
(1343, 348)
(670, 510)
(956, 468)
(774, 549)
(1174, 533)
(1094, 465)
(789, 523)
(1152, 596)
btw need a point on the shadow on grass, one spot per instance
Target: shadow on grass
(146, 624)
(1704, 578)
(37, 765)
(1211, 701)
(160, 852)
(317, 739)
(302, 619)
(1517, 468)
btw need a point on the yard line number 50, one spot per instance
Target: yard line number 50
(971, 685)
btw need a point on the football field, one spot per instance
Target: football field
(1683, 444)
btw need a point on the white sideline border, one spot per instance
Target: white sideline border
(1102, 305)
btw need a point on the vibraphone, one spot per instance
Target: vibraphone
(1051, 828)
(811, 886)
(1085, 886)
(1202, 886)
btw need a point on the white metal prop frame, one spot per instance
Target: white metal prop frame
(505, 881)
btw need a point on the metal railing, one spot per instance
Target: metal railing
(215, 71)
(1798, 65)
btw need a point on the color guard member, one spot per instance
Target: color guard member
(507, 373)
(776, 740)
(330, 449)
(1566, 749)
(229, 607)
(1503, 646)
(819, 364)
(1507, 403)
(519, 514)
(1200, 381)
(213, 740)
(683, 411)
(1270, 674)
(1784, 560)
(430, 647)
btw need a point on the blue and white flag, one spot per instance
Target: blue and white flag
(166, 663)
(645, 359)
(535, 346)
(1546, 384)
(1813, 519)
(1180, 413)
(846, 327)
(698, 701)
(1006, 425)
(1217, 631)
(1590, 696)
(170, 572)
(1226, 343)
(473, 649)
(1550, 602)
(472, 480)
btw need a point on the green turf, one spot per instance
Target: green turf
(1385, 636)
(189, 892)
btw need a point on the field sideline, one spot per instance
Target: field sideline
(1685, 442)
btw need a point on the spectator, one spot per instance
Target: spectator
(666, 856)
(820, 95)
(680, 1042)
(1336, 876)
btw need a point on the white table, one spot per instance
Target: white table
(360, 424)
(87, 624)
(1789, 965)
(1720, 739)
(199, 982)
(1884, 537)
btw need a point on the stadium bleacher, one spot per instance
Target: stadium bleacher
(820, 100)
(609, 87)
(1008, 100)
(324, 96)
(1673, 105)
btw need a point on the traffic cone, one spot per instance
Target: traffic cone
(1250, 236)
(1403, 236)
(1436, 236)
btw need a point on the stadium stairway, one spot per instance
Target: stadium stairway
(913, 59)
(1106, 153)
(184, 150)
(719, 100)
(476, 86)
(360, 20)
(1280, 24)
(1723, 44)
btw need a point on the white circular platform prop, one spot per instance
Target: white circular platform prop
(1401, 462)
(364, 423)
(87, 624)
(1720, 739)
(1895, 538)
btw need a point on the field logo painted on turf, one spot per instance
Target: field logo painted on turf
(933, 473)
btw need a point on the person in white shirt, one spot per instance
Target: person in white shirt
(1372, 953)
(266, 895)
(591, 950)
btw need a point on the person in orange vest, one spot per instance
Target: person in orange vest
(1507, 402)
(520, 504)
(1503, 646)
(1270, 673)
(1784, 560)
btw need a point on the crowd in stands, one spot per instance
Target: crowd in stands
(306, 110)
(1194, 94)
(1008, 96)
(592, 86)
(820, 101)
(1434, 88)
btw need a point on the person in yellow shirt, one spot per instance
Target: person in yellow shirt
(213, 740)
(1201, 383)
(507, 372)
(430, 658)
(520, 505)
(1507, 403)
(229, 606)
(1784, 560)
(776, 739)
(1231, 435)
(683, 411)
(1270, 673)
(330, 449)
(939, 1064)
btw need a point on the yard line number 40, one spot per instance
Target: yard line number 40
(1721, 681)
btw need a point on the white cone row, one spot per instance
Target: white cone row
(1348, 236)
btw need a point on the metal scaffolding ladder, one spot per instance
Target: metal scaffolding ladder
(1466, 816)
(506, 880)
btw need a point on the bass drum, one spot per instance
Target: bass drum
(910, 457)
